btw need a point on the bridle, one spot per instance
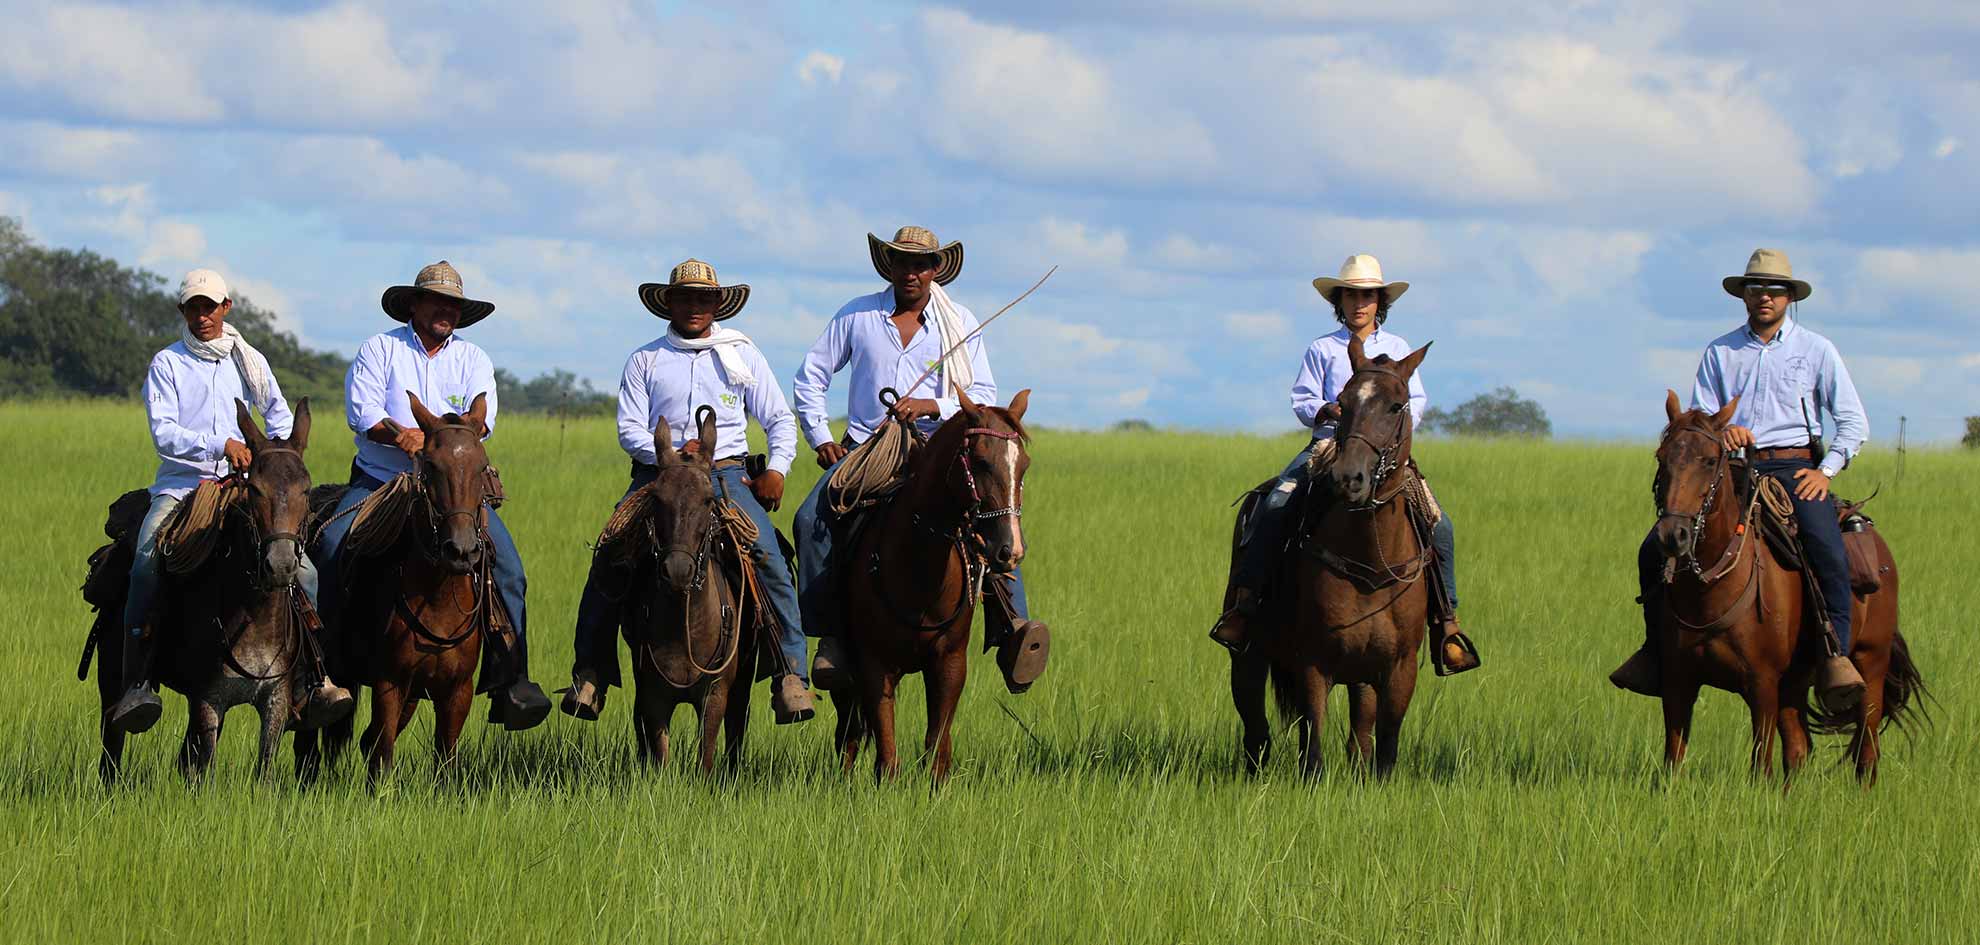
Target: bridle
(976, 511)
(263, 541)
(1689, 552)
(436, 518)
(1385, 455)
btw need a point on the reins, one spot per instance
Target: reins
(975, 568)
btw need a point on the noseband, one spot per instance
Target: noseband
(1385, 456)
(976, 511)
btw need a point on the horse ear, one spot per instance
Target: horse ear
(299, 429)
(663, 444)
(962, 397)
(1725, 414)
(477, 415)
(250, 433)
(1357, 354)
(1018, 403)
(1415, 358)
(422, 416)
(1671, 406)
(706, 420)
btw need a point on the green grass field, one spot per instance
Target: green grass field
(1529, 805)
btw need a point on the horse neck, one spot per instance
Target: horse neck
(928, 500)
(1383, 530)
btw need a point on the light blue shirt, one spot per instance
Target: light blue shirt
(1327, 368)
(391, 363)
(664, 381)
(862, 336)
(1783, 386)
(190, 404)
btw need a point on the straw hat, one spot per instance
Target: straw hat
(915, 241)
(438, 279)
(1767, 265)
(694, 275)
(1361, 271)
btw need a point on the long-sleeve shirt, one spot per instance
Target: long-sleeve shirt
(862, 336)
(391, 363)
(1326, 370)
(661, 380)
(1783, 387)
(190, 405)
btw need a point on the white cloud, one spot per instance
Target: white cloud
(1186, 253)
(1258, 326)
(97, 57)
(1939, 273)
(818, 65)
(352, 169)
(1970, 360)
(1945, 148)
(1887, 372)
(1073, 244)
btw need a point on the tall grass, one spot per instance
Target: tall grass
(1105, 805)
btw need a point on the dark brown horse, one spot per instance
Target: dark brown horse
(916, 571)
(1735, 619)
(1359, 597)
(231, 631)
(690, 623)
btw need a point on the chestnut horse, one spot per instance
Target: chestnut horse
(1358, 599)
(914, 575)
(232, 631)
(1739, 623)
(692, 632)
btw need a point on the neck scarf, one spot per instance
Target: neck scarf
(252, 367)
(949, 326)
(727, 343)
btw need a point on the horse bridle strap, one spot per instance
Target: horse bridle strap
(976, 495)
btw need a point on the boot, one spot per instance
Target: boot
(792, 700)
(829, 670)
(327, 703)
(1640, 673)
(139, 708)
(1233, 630)
(1456, 652)
(586, 698)
(1023, 653)
(520, 706)
(1838, 685)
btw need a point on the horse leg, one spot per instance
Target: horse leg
(944, 683)
(1869, 720)
(878, 703)
(1361, 726)
(849, 728)
(388, 705)
(450, 714)
(1763, 702)
(735, 722)
(1392, 698)
(1680, 695)
(713, 706)
(1795, 743)
(1248, 674)
(651, 713)
(274, 711)
(112, 761)
(1314, 687)
(202, 734)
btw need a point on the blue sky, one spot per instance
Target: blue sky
(1563, 187)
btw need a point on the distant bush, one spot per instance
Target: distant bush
(1135, 425)
(1972, 438)
(1500, 413)
(558, 393)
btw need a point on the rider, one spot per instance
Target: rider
(882, 338)
(427, 358)
(694, 365)
(1361, 301)
(1785, 376)
(189, 398)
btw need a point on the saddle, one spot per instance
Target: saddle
(1783, 534)
(188, 538)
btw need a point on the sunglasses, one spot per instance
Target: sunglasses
(1768, 288)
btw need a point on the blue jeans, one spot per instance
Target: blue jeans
(510, 581)
(144, 566)
(818, 591)
(598, 614)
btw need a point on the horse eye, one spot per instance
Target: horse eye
(1395, 408)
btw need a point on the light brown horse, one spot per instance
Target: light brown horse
(1735, 619)
(914, 576)
(693, 635)
(1359, 593)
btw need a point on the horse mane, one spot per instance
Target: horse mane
(1693, 419)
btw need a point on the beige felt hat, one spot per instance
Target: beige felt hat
(915, 241)
(695, 275)
(439, 279)
(202, 283)
(1361, 271)
(1767, 265)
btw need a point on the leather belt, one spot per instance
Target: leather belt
(1783, 452)
(724, 463)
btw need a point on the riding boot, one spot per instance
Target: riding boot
(327, 702)
(1639, 674)
(830, 668)
(1232, 630)
(1455, 651)
(792, 700)
(586, 698)
(139, 708)
(1838, 685)
(518, 706)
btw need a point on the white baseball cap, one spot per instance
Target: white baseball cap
(204, 282)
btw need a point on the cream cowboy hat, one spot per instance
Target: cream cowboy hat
(1767, 265)
(1361, 271)
(916, 241)
(697, 276)
(439, 279)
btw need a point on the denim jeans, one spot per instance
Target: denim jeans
(598, 614)
(144, 566)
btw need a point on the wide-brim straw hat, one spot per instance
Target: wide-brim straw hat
(1767, 265)
(439, 279)
(695, 275)
(1361, 271)
(915, 241)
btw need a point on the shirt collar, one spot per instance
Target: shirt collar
(1347, 337)
(889, 303)
(1787, 328)
(412, 338)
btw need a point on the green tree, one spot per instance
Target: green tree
(1499, 413)
(1972, 438)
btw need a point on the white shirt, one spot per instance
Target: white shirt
(190, 405)
(1327, 368)
(863, 337)
(661, 380)
(1783, 387)
(391, 363)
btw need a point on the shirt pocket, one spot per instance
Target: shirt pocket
(1789, 380)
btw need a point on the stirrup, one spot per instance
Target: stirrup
(1472, 659)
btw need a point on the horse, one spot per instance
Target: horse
(913, 576)
(691, 621)
(232, 631)
(1359, 599)
(1737, 624)
(434, 599)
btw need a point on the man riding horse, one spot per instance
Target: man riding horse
(699, 364)
(910, 331)
(1361, 302)
(1787, 379)
(189, 397)
(426, 357)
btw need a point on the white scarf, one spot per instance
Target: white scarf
(728, 344)
(252, 366)
(949, 326)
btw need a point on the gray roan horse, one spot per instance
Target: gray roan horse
(232, 631)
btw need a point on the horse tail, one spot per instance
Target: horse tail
(1904, 685)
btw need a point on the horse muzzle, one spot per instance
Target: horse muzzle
(1675, 536)
(281, 562)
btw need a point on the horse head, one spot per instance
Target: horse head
(453, 474)
(989, 477)
(684, 521)
(277, 496)
(1373, 435)
(1692, 462)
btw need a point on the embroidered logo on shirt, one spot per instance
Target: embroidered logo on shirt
(457, 401)
(728, 399)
